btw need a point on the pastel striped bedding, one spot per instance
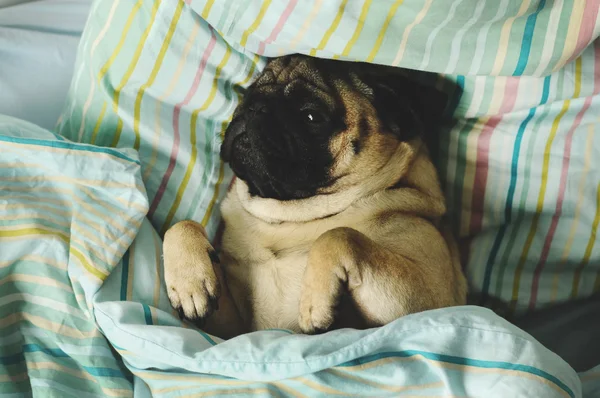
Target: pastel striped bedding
(84, 313)
(163, 77)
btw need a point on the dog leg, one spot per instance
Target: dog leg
(195, 282)
(344, 260)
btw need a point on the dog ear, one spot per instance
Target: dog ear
(406, 107)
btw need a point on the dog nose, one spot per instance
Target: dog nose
(236, 128)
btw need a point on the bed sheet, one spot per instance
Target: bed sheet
(84, 312)
(163, 78)
(38, 46)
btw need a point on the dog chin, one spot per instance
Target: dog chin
(276, 192)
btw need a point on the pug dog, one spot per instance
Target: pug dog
(334, 217)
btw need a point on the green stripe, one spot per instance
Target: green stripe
(147, 314)
(463, 361)
(68, 145)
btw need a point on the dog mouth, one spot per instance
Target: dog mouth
(275, 163)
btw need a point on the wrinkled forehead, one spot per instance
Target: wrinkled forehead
(299, 77)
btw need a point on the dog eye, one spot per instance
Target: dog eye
(310, 116)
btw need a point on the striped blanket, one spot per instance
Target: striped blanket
(158, 81)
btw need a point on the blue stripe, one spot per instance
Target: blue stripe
(478, 363)
(57, 353)
(124, 275)
(68, 145)
(511, 193)
(104, 372)
(456, 96)
(280, 330)
(527, 40)
(12, 359)
(147, 314)
(207, 338)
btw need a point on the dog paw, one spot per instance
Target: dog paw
(316, 316)
(194, 295)
(189, 262)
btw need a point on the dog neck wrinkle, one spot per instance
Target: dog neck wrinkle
(323, 206)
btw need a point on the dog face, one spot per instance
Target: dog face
(310, 126)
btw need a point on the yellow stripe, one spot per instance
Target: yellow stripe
(132, 64)
(461, 368)
(159, 101)
(185, 378)
(73, 180)
(255, 60)
(51, 262)
(155, 69)
(14, 378)
(237, 391)
(540, 202)
(408, 29)
(307, 22)
(113, 392)
(505, 36)
(288, 390)
(348, 376)
(77, 152)
(539, 207)
(39, 301)
(33, 210)
(100, 274)
(36, 230)
(60, 190)
(332, 28)
(319, 387)
(59, 328)
(121, 230)
(575, 223)
(98, 123)
(213, 200)
(384, 28)
(206, 9)
(359, 27)
(194, 153)
(18, 233)
(588, 249)
(38, 280)
(142, 208)
(118, 131)
(261, 14)
(81, 184)
(578, 68)
(117, 50)
(590, 376)
(193, 124)
(88, 101)
(573, 29)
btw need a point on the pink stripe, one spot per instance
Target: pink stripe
(588, 23)
(557, 213)
(176, 113)
(483, 151)
(563, 183)
(278, 27)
